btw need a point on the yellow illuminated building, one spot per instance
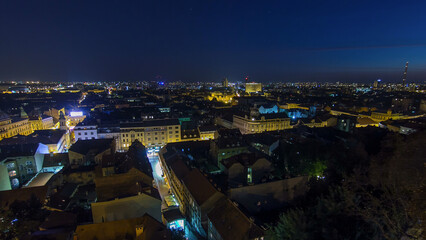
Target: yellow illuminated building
(292, 106)
(10, 127)
(154, 133)
(252, 125)
(221, 97)
(253, 87)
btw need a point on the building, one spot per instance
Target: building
(225, 97)
(126, 195)
(190, 135)
(85, 131)
(383, 116)
(10, 127)
(264, 123)
(126, 207)
(41, 122)
(227, 143)
(55, 113)
(152, 133)
(90, 152)
(207, 132)
(202, 196)
(246, 169)
(225, 82)
(22, 162)
(253, 87)
(141, 228)
(53, 141)
(346, 123)
(227, 222)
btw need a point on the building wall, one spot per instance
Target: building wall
(85, 132)
(4, 179)
(75, 158)
(212, 232)
(9, 128)
(236, 173)
(207, 135)
(261, 168)
(253, 87)
(276, 193)
(22, 168)
(157, 136)
(80, 177)
(247, 125)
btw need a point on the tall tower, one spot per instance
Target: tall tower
(404, 78)
(62, 122)
(225, 82)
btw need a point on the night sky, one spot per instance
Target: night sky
(206, 40)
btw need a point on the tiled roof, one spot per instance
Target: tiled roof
(231, 223)
(199, 187)
(98, 145)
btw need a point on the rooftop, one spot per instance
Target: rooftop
(151, 123)
(124, 229)
(199, 187)
(96, 145)
(231, 223)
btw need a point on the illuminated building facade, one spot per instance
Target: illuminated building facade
(11, 127)
(221, 97)
(257, 125)
(41, 122)
(153, 133)
(21, 162)
(253, 87)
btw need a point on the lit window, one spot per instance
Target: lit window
(249, 175)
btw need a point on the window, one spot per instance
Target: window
(176, 127)
(91, 133)
(85, 133)
(79, 134)
(30, 170)
(10, 165)
(12, 173)
(177, 136)
(249, 175)
(177, 132)
(29, 163)
(170, 132)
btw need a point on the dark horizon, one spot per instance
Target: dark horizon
(206, 41)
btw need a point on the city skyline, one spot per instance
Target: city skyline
(206, 41)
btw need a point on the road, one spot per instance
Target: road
(164, 190)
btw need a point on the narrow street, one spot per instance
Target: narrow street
(168, 199)
(157, 172)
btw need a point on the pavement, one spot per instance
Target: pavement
(164, 189)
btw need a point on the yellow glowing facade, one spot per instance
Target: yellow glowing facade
(253, 87)
(253, 125)
(221, 97)
(292, 106)
(10, 128)
(155, 133)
